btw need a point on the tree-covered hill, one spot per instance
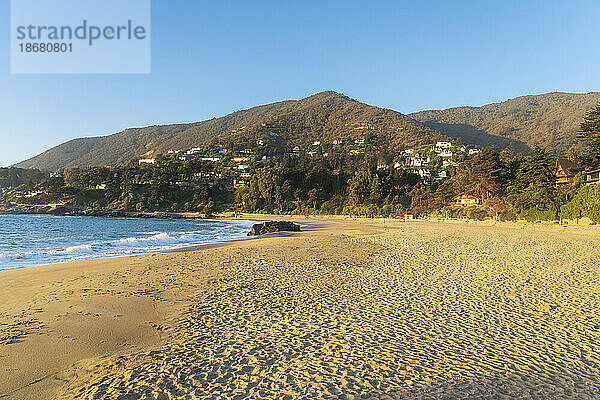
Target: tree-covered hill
(325, 116)
(548, 120)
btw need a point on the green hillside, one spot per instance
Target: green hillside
(324, 116)
(549, 120)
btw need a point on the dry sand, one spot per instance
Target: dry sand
(347, 310)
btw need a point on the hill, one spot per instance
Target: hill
(323, 116)
(549, 120)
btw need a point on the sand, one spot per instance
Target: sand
(348, 309)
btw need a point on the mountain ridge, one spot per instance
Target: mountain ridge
(325, 115)
(546, 120)
(550, 120)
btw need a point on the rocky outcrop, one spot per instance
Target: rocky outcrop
(13, 208)
(272, 227)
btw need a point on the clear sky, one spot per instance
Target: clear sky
(210, 58)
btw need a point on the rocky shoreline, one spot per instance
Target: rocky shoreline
(66, 210)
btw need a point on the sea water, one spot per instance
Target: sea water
(31, 240)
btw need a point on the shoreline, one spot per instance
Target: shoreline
(257, 218)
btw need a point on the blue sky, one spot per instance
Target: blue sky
(212, 58)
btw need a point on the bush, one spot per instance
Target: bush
(476, 213)
(507, 215)
(585, 203)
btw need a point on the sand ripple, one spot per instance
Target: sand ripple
(418, 311)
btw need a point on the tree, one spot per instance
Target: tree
(313, 195)
(590, 132)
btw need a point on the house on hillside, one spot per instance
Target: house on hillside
(565, 171)
(466, 200)
(592, 177)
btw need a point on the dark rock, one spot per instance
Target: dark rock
(273, 226)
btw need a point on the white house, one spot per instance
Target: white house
(473, 151)
(424, 173)
(466, 200)
(446, 153)
(316, 143)
(147, 161)
(418, 162)
(448, 163)
(443, 144)
(296, 150)
(194, 150)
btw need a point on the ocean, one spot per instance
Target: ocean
(31, 240)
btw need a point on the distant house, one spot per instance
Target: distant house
(147, 161)
(565, 171)
(472, 152)
(316, 143)
(238, 183)
(194, 150)
(467, 200)
(446, 164)
(592, 177)
(443, 144)
(296, 150)
(424, 173)
(56, 175)
(418, 162)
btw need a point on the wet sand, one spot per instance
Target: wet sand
(348, 309)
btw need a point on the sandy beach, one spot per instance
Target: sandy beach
(347, 309)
